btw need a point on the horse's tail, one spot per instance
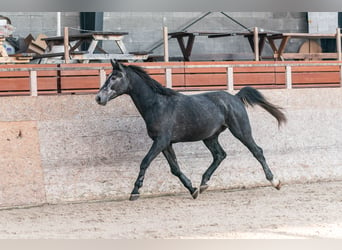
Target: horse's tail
(251, 96)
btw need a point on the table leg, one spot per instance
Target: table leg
(121, 46)
(282, 46)
(91, 49)
(186, 50)
(261, 44)
(273, 47)
(262, 41)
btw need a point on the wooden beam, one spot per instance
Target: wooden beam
(166, 44)
(66, 45)
(256, 43)
(230, 78)
(33, 83)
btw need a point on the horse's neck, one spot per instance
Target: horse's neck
(143, 97)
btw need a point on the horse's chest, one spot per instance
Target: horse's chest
(158, 125)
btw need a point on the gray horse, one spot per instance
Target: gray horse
(173, 117)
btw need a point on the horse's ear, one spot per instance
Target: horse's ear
(115, 64)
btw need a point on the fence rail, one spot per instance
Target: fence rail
(75, 78)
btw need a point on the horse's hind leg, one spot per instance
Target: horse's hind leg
(218, 155)
(175, 170)
(241, 129)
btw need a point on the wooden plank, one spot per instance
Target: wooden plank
(26, 73)
(258, 78)
(205, 80)
(316, 78)
(47, 83)
(85, 72)
(328, 85)
(11, 84)
(80, 82)
(315, 68)
(303, 56)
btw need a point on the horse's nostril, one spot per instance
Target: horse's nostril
(98, 99)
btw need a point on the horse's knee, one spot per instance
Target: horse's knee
(258, 152)
(175, 171)
(220, 156)
(223, 155)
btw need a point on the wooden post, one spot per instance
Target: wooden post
(33, 83)
(288, 73)
(338, 44)
(168, 75)
(230, 78)
(166, 44)
(256, 43)
(341, 76)
(66, 45)
(102, 77)
(168, 72)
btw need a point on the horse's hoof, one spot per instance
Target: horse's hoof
(134, 197)
(195, 193)
(276, 183)
(203, 188)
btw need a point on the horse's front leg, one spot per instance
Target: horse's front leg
(158, 146)
(170, 155)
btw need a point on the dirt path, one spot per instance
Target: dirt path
(297, 211)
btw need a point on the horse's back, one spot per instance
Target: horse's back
(201, 116)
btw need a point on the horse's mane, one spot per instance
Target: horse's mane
(153, 84)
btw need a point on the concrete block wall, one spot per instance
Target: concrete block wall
(145, 28)
(67, 148)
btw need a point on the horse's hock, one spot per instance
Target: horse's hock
(68, 148)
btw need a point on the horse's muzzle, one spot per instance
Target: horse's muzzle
(101, 101)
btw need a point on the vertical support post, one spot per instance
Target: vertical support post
(341, 76)
(288, 73)
(338, 44)
(168, 76)
(230, 78)
(168, 72)
(166, 44)
(33, 83)
(66, 45)
(102, 74)
(58, 33)
(256, 43)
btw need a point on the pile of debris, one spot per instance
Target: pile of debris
(18, 50)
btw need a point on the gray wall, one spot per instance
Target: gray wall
(145, 28)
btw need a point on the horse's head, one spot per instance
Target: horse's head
(116, 84)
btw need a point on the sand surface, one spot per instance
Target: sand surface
(296, 211)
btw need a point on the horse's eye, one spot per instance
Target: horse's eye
(112, 87)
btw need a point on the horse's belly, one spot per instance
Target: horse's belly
(196, 132)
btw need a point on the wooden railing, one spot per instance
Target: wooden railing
(87, 78)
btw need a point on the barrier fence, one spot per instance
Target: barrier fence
(87, 78)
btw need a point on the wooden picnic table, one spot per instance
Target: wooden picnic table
(260, 38)
(186, 48)
(257, 41)
(76, 52)
(279, 51)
